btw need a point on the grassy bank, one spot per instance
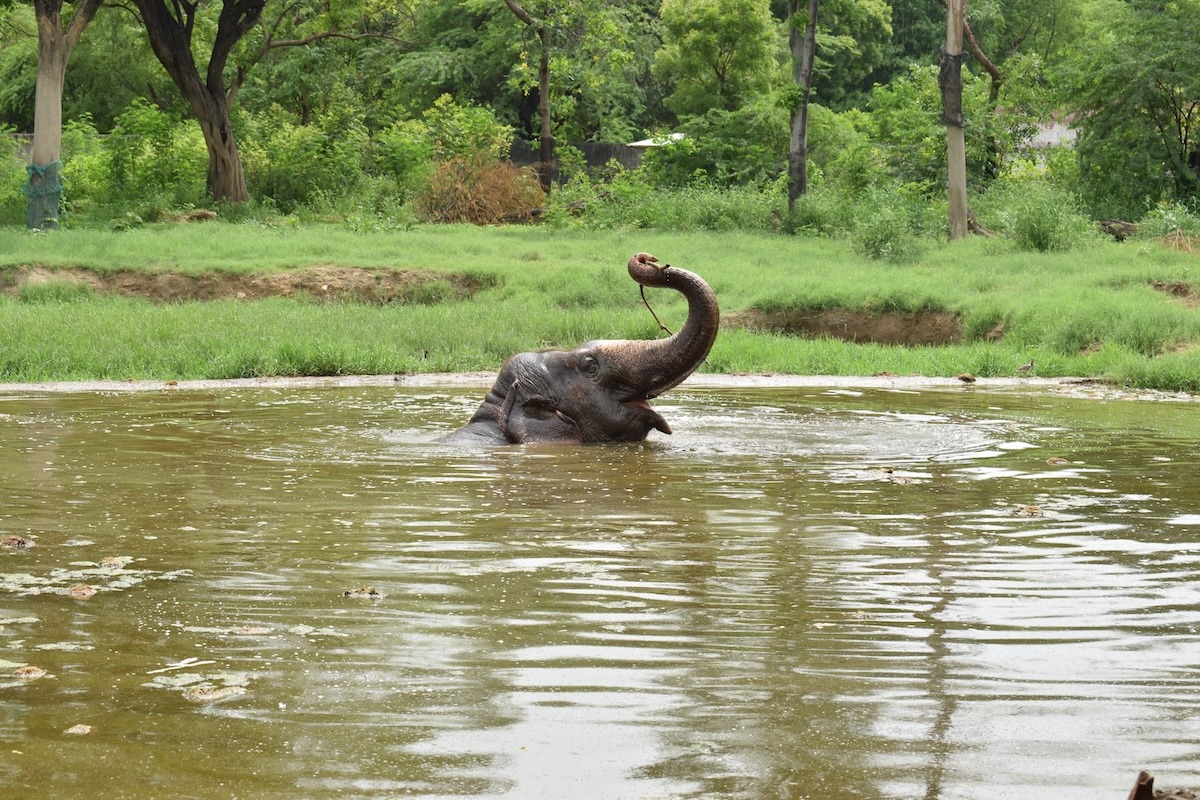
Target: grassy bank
(1091, 313)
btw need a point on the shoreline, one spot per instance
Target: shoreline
(1069, 386)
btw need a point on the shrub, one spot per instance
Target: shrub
(13, 178)
(466, 130)
(155, 162)
(479, 190)
(1174, 224)
(725, 148)
(884, 227)
(1039, 216)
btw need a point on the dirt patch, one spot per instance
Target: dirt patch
(1180, 291)
(889, 327)
(375, 286)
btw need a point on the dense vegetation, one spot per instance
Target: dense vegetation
(368, 134)
(387, 114)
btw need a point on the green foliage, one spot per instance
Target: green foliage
(716, 53)
(905, 128)
(55, 291)
(297, 165)
(630, 201)
(465, 130)
(1170, 220)
(853, 40)
(1039, 216)
(155, 162)
(1138, 143)
(18, 74)
(12, 178)
(747, 146)
(405, 151)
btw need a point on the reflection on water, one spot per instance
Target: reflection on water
(802, 593)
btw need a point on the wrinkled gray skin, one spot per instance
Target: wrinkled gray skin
(599, 391)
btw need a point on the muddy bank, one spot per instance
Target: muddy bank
(352, 284)
(888, 327)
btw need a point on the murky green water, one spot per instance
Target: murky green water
(802, 594)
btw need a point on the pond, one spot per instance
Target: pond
(282, 591)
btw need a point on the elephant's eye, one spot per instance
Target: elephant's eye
(589, 366)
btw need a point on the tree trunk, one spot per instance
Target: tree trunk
(546, 134)
(950, 78)
(226, 180)
(546, 149)
(55, 44)
(803, 51)
(171, 40)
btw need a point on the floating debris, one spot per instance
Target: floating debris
(64, 647)
(29, 672)
(1057, 460)
(211, 694)
(204, 688)
(12, 541)
(78, 730)
(364, 593)
(186, 663)
(237, 630)
(309, 630)
(967, 377)
(1028, 511)
(110, 574)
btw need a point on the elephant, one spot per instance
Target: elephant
(600, 391)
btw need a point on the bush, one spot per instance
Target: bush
(479, 190)
(1174, 224)
(305, 165)
(748, 146)
(13, 177)
(886, 226)
(155, 162)
(1040, 216)
(630, 201)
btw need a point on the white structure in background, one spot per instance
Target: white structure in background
(1053, 134)
(657, 140)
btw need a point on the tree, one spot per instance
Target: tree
(546, 131)
(803, 51)
(171, 28)
(950, 79)
(855, 39)
(55, 44)
(716, 53)
(1137, 91)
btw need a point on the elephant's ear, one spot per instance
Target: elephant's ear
(527, 417)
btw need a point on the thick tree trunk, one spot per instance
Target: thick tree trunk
(950, 79)
(226, 180)
(171, 39)
(55, 44)
(803, 51)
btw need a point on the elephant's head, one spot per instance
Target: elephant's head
(599, 391)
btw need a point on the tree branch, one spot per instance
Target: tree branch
(522, 14)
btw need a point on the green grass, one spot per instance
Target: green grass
(1087, 312)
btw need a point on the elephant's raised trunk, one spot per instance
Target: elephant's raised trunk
(663, 364)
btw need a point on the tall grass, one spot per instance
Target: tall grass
(1089, 312)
